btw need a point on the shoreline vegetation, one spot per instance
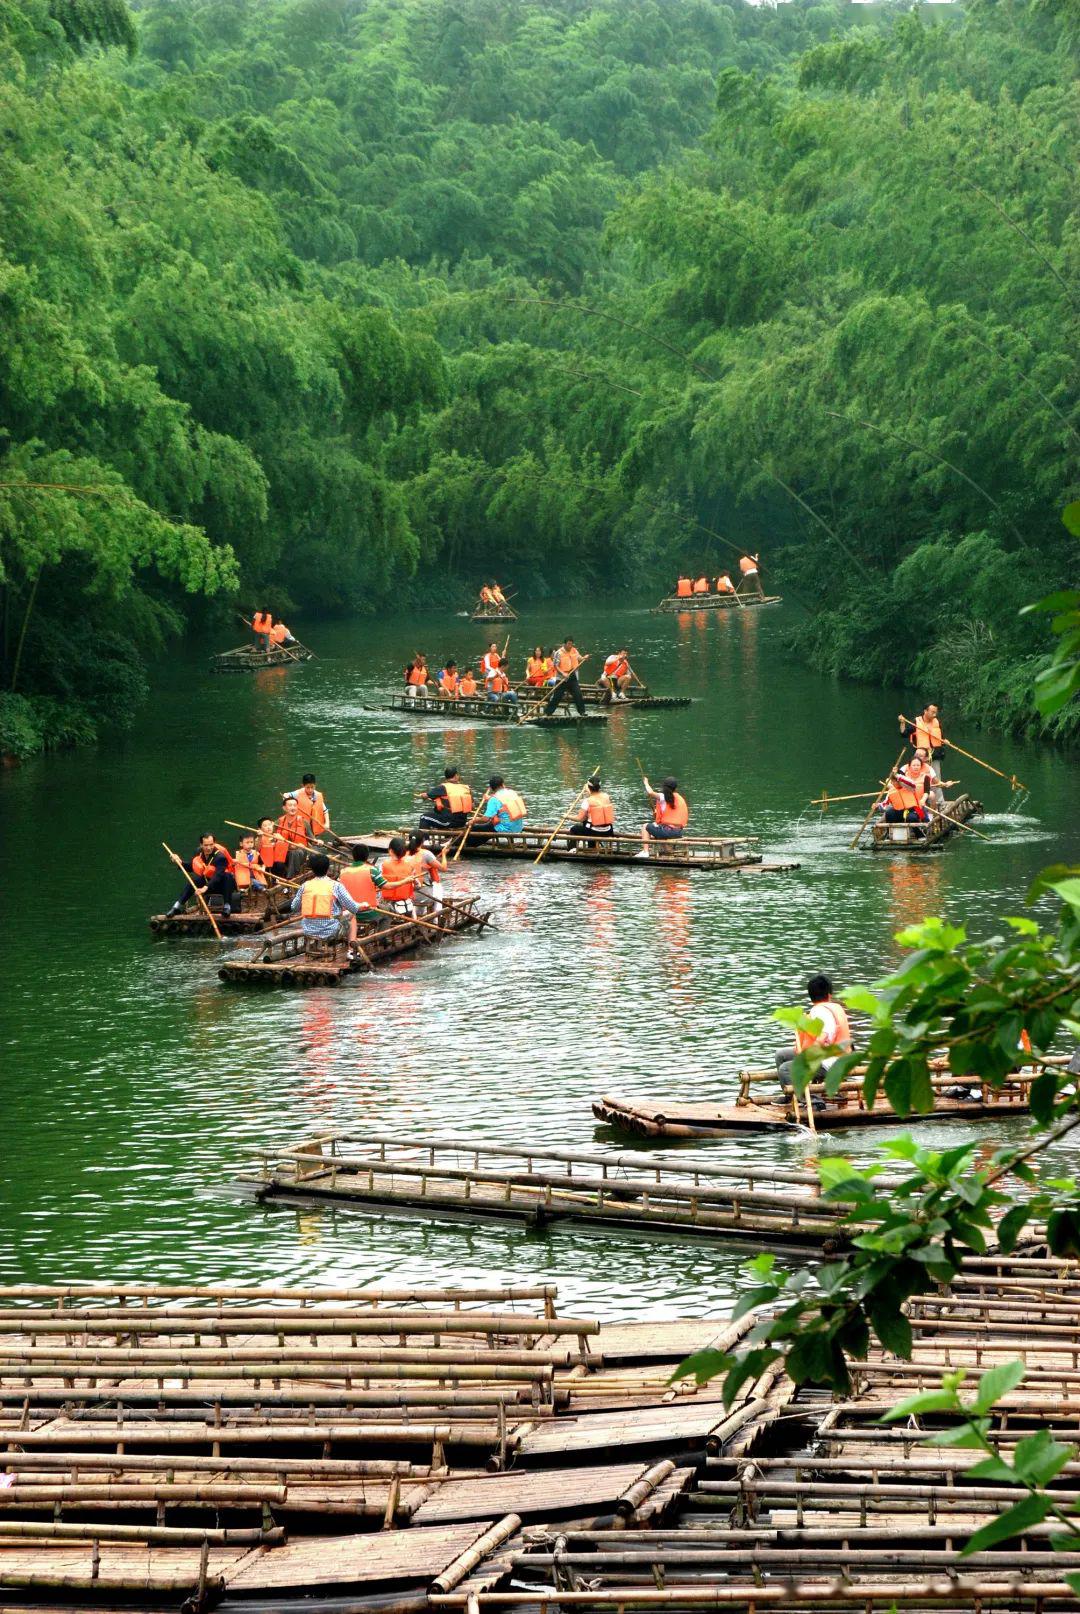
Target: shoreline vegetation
(332, 305)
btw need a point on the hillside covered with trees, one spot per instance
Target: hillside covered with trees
(328, 302)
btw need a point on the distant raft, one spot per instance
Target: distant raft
(296, 960)
(501, 711)
(715, 852)
(715, 602)
(493, 613)
(248, 658)
(955, 1097)
(924, 837)
(597, 695)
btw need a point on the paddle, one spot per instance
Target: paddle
(202, 900)
(884, 785)
(1015, 783)
(564, 817)
(469, 825)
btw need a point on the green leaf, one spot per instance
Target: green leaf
(1043, 1093)
(1072, 1580)
(997, 1382)
(891, 1326)
(992, 1468)
(702, 1366)
(967, 1436)
(1068, 890)
(1071, 517)
(925, 1401)
(753, 1298)
(1011, 1225)
(1013, 1522)
(1039, 1458)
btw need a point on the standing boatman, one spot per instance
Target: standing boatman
(311, 805)
(925, 733)
(748, 566)
(567, 661)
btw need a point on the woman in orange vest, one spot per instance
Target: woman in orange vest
(536, 668)
(683, 588)
(596, 815)
(748, 566)
(417, 677)
(428, 869)
(211, 869)
(399, 871)
(670, 814)
(261, 623)
(724, 585)
(834, 1031)
(327, 911)
(701, 585)
(903, 801)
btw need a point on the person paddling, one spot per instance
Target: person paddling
(615, 677)
(567, 661)
(751, 578)
(211, 871)
(327, 911)
(832, 1020)
(724, 585)
(451, 803)
(399, 870)
(311, 806)
(596, 815)
(670, 814)
(925, 733)
(504, 809)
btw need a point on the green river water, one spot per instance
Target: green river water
(137, 1087)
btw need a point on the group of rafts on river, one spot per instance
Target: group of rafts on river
(320, 906)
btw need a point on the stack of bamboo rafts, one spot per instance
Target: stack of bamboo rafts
(175, 1443)
(451, 1176)
(813, 1503)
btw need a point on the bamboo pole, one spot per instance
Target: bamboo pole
(884, 785)
(371, 1295)
(958, 823)
(787, 1591)
(494, 1536)
(952, 745)
(564, 817)
(202, 900)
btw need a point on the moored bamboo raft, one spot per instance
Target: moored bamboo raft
(715, 602)
(448, 1176)
(954, 1098)
(251, 913)
(924, 837)
(597, 695)
(736, 853)
(297, 960)
(501, 711)
(250, 658)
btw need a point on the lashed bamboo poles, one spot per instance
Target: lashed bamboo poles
(949, 1589)
(371, 1295)
(150, 1320)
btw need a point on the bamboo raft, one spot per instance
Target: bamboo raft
(715, 602)
(809, 1503)
(249, 658)
(251, 913)
(454, 1177)
(711, 852)
(297, 960)
(962, 1098)
(493, 613)
(501, 711)
(597, 695)
(924, 837)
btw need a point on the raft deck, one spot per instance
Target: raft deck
(954, 1098)
(248, 658)
(456, 1176)
(254, 911)
(595, 695)
(502, 711)
(715, 602)
(493, 613)
(924, 837)
(295, 960)
(732, 852)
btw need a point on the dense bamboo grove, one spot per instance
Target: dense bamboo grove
(333, 303)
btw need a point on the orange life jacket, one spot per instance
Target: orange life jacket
(360, 886)
(317, 898)
(203, 867)
(313, 808)
(746, 565)
(600, 809)
(246, 867)
(678, 815)
(534, 670)
(1025, 1041)
(458, 796)
(684, 588)
(616, 667)
(294, 829)
(400, 876)
(279, 633)
(566, 661)
(448, 683)
(701, 586)
(271, 850)
(418, 675)
(724, 585)
(917, 775)
(825, 1038)
(927, 734)
(486, 596)
(498, 596)
(512, 804)
(260, 622)
(498, 683)
(467, 685)
(902, 798)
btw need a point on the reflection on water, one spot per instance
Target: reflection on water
(138, 1087)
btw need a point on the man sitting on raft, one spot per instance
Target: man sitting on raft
(833, 1021)
(327, 911)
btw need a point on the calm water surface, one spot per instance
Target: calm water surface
(136, 1086)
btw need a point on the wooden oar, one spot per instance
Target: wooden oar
(202, 900)
(564, 817)
(1016, 783)
(884, 785)
(960, 824)
(469, 825)
(636, 679)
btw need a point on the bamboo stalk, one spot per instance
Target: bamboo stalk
(373, 1295)
(315, 1468)
(156, 1535)
(884, 785)
(469, 826)
(202, 901)
(952, 745)
(466, 1562)
(564, 817)
(949, 1589)
(295, 1320)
